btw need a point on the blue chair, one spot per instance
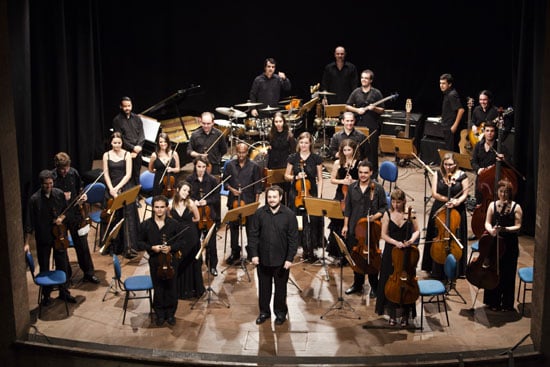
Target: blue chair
(51, 278)
(474, 248)
(432, 288)
(525, 277)
(223, 191)
(132, 284)
(147, 180)
(388, 172)
(96, 196)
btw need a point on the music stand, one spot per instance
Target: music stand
(323, 208)
(342, 304)
(427, 183)
(238, 214)
(113, 287)
(208, 292)
(306, 107)
(462, 160)
(127, 197)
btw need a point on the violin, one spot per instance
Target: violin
(302, 186)
(165, 270)
(402, 286)
(238, 202)
(445, 243)
(205, 221)
(169, 186)
(483, 271)
(366, 253)
(345, 189)
(61, 239)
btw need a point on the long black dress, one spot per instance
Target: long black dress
(402, 233)
(190, 282)
(160, 167)
(462, 232)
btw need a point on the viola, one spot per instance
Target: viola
(238, 202)
(169, 186)
(165, 269)
(345, 189)
(445, 243)
(60, 233)
(302, 186)
(402, 286)
(205, 221)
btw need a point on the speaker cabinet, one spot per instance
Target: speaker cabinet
(428, 150)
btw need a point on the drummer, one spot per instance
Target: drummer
(349, 132)
(267, 88)
(282, 145)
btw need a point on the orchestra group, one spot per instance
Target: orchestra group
(186, 211)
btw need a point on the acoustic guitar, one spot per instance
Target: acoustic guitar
(476, 137)
(466, 146)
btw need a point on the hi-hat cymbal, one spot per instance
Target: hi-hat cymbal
(269, 108)
(248, 104)
(289, 99)
(326, 93)
(231, 112)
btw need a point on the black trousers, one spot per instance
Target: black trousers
(235, 237)
(165, 295)
(82, 250)
(267, 276)
(211, 249)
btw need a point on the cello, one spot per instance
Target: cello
(366, 253)
(446, 220)
(402, 286)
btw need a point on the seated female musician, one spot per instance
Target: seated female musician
(398, 231)
(164, 163)
(282, 144)
(449, 189)
(189, 275)
(304, 170)
(504, 218)
(202, 184)
(344, 173)
(117, 170)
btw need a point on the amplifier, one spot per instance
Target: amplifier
(393, 128)
(428, 150)
(433, 127)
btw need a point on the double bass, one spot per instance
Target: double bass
(366, 253)
(402, 285)
(447, 222)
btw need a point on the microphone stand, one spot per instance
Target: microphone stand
(427, 182)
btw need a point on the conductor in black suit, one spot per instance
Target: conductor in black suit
(272, 243)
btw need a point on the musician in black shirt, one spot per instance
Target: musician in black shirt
(451, 111)
(208, 143)
(267, 87)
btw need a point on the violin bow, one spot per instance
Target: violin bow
(214, 143)
(450, 233)
(255, 182)
(215, 188)
(168, 164)
(75, 200)
(510, 165)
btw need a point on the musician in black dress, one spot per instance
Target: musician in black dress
(203, 183)
(398, 231)
(361, 102)
(68, 180)
(282, 144)
(164, 163)
(343, 174)
(450, 190)
(305, 169)
(504, 219)
(161, 237)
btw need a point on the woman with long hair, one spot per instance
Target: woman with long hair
(164, 163)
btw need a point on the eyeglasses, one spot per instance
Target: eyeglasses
(449, 164)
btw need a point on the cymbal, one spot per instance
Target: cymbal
(222, 123)
(288, 100)
(231, 112)
(248, 104)
(326, 93)
(269, 108)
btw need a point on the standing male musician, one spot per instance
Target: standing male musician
(202, 183)
(243, 172)
(208, 143)
(361, 102)
(160, 236)
(267, 87)
(485, 154)
(451, 111)
(273, 243)
(349, 132)
(130, 126)
(67, 179)
(366, 199)
(44, 211)
(340, 77)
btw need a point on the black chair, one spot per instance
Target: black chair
(51, 278)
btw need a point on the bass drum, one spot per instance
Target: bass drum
(258, 153)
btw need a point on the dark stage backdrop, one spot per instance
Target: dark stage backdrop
(85, 55)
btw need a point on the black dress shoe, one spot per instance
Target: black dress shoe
(354, 289)
(92, 279)
(171, 320)
(280, 320)
(231, 259)
(160, 320)
(214, 272)
(261, 319)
